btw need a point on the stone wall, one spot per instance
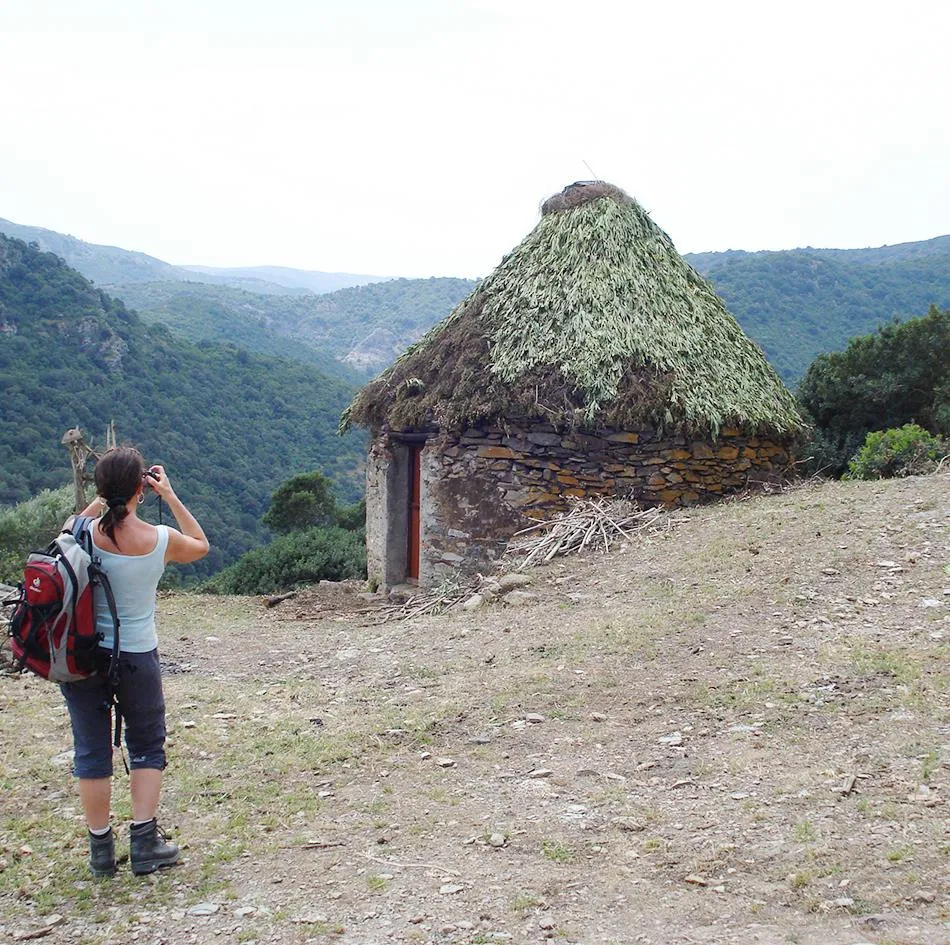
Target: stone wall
(479, 486)
(387, 511)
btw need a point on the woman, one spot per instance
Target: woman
(134, 554)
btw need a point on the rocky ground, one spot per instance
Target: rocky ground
(735, 730)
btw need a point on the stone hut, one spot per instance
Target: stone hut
(593, 361)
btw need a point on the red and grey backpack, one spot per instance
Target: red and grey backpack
(53, 627)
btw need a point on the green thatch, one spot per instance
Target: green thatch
(596, 319)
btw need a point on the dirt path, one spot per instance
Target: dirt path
(738, 732)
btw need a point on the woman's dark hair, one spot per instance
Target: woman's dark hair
(118, 477)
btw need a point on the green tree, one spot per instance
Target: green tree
(898, 375)
(301, 502)
(351, 517)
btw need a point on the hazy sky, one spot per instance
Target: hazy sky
(419, 138)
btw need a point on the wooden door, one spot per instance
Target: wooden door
(415, 528)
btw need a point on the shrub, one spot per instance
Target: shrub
(302, 557)
(351, 517)
(29, 526)
(824, 454)
(906, 451)
(301, 502)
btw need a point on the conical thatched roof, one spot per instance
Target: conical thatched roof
(593, 318)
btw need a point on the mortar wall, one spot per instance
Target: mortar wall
(480, 486)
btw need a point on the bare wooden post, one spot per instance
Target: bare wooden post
(79, 453)
(73, 441)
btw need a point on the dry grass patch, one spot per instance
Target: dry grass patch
(697, 710)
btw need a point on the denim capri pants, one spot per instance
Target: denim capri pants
(142, 705)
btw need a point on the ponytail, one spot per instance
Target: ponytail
(116, 511)
(118, 478)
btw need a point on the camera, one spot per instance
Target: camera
(150, 475)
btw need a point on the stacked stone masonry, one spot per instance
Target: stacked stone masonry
(483, 485)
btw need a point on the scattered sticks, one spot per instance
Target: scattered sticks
(413, 866)
(435, 601)
(321, 844)
(587, 523)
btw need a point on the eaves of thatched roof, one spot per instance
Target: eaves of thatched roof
(594, 318)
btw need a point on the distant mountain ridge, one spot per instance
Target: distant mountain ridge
(111, 265)
(310, 280)
(796, 303)
(359, 330)
(99, 264)
(870, 256)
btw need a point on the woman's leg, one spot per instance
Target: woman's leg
(143, 708)
(91, 719)
(96, 797)
(90, 714)
(146, 785)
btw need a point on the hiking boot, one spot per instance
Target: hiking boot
(149, 850)
(102, 854)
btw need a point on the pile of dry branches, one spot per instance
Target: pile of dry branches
(436, 600)
(589, 523)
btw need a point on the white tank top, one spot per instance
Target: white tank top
(134, 580)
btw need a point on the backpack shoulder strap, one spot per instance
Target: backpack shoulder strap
(80, 527)
(102, 581)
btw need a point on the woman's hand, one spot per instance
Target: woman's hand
(190, 543)
(157, 478)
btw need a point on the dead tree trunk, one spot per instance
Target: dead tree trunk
(79, 454)
(77, 449)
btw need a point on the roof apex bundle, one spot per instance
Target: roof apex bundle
(593, 319)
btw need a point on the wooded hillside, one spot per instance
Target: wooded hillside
(229, 425)
(798, 304)
(355, 332)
